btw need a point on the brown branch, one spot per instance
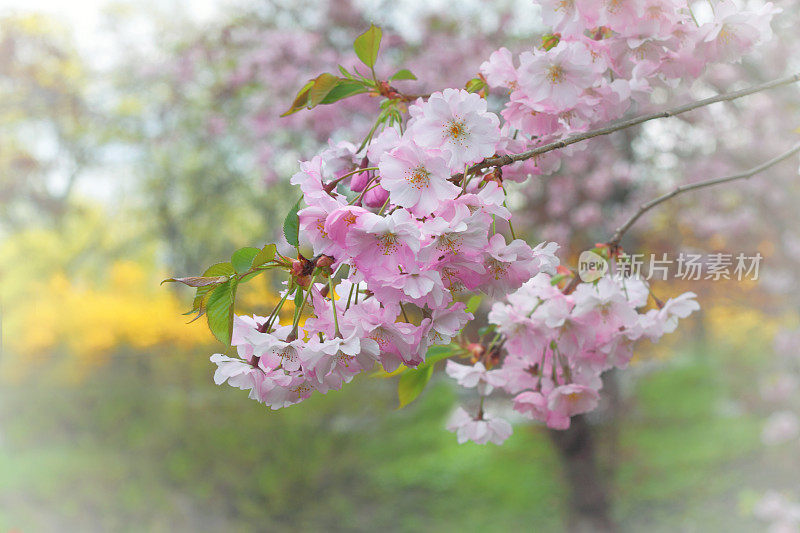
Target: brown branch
(513, 158)
(412, 97)
(573, 284)
(698, 185)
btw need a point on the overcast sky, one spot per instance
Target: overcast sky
(85, 17)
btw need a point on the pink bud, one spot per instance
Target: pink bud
(376, 197)
(359, 181)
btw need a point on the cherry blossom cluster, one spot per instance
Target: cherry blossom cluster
(281, 368)
(603, 57)
(411, 240)
(405, 225)
(557, 346)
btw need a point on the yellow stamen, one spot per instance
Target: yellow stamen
(418, 177)
(456, 130)
(555, 74)
(388, 243)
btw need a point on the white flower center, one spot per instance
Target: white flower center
(419, 177)
(555, 74)
(388, 243)
(456, 130)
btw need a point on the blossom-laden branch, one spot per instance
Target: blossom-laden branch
(615, 239)
(411, 244)
(508, 159)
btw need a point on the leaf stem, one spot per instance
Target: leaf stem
(296, 320)
(333, 304)
(277, 310)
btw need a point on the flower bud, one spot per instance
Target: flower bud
(297, 268)
(476, 350)
(325, 261)
(376, 197)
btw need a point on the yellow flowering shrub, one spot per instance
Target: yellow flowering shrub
(66, 305)
(87, 323)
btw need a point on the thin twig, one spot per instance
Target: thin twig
(513, 158)
(573, 284)
(698, 185)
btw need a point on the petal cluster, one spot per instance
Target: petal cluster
(558, 345)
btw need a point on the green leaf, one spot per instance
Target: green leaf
(242, 259)
(219, 311)
(199, 314)
(412, 383)
(403, 74)
(301, 100)
(217, 269)
(323, 84)
(220, 269)
(265, 255)
(433, 356)
(475, 85)
(344, 89)
(550, 40)
(473, 303)
(367, 45)
(345, 73)
(486, 329)
(291, 225)
(251, 275)
(436, 354)
(198, 281)
(381, 373)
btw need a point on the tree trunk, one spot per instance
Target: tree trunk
(589, 510)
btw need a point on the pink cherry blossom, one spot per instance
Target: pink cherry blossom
(237, 372)
(475, 376)
(416, 179)
(558, 76)
(558, 345)
(499, 70)
(481, 430)
(508, 266)
(457, 123)
(375, 196)
(733, 32)
(572, 399)
(446, 323)
(383, 241)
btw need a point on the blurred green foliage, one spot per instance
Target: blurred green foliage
(151, 444)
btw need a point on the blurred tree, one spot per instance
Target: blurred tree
(49, 128)
(213, 152)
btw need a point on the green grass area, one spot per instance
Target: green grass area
(682, 456)
(160, 448)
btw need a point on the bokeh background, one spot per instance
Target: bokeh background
(142, 139)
